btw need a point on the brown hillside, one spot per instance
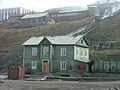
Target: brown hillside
(108, 30)
(12, 38)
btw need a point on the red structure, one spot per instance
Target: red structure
(82, 67)
(16, 73)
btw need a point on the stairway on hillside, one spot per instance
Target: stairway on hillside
(84, 30)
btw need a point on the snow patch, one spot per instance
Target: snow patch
(110, 13)
(2, 77)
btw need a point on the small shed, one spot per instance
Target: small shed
(16, 73)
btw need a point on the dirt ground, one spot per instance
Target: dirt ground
(58, 85)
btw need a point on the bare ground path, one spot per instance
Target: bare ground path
(58, 85)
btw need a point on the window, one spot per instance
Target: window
(34, 65)
(86, 52)
(34, 51)
(81, 41)
(63, 65)
(45, 51)
(63, 51)
(82, 52)
(78, 52)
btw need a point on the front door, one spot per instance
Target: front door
(45, 66)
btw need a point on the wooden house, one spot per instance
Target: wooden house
(58, 54)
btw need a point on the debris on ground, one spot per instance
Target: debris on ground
(1, 81)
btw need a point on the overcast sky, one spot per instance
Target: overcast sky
(41, 5)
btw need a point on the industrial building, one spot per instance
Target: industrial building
(104, 8)
(7, 12)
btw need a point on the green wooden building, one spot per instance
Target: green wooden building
(58, 54)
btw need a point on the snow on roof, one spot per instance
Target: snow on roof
(34, 15)
(33, 41)
(104, 1)
(54, 40)
(64, 39)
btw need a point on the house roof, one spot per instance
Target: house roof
(103, 2)
(33, 41)
(54, 40)
(64, 39)
(34, 15)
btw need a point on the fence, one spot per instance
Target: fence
(16, 72)
(107, 66)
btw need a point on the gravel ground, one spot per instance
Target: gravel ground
(58, 85)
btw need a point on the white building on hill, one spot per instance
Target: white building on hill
(104, 7)
(7, 12)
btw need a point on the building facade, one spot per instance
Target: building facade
(7, 12)
(58, 54)
(103, 7)
(37, 19)
(69, 15)
(14, 18)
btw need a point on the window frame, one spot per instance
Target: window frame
(82, 52)
(34, 65)
(63, 65)
(45, 52)
(63, 51)
(78, 52)
(34, 51)
(86, 52)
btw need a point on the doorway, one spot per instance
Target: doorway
(45, 66)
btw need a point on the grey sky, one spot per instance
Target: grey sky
(41, 5)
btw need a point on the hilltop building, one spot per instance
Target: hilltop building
(7, 12)
(70, 15)
(58, 54)
(36, 19)
(103, 7)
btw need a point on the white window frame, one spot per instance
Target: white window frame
(33, 65)
(82, 52)
(78, 52)
(86, 53)
(63, 51)
(45, 50)
(62, 65)
(34, 51)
